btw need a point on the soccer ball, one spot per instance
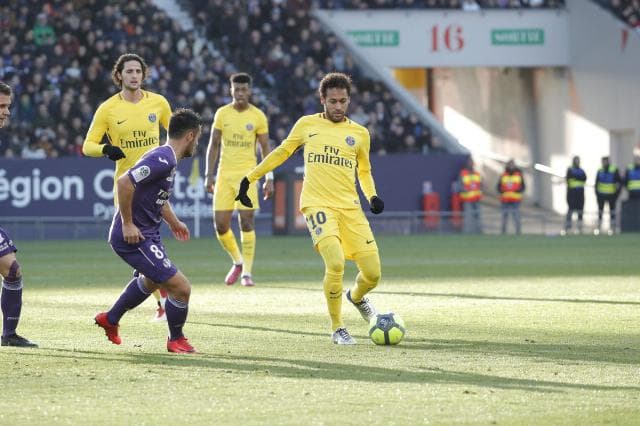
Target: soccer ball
(386, 329)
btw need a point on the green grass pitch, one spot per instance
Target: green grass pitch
(501, 330)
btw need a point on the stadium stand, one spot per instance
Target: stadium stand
(275, 41)
(57, 56)
(470, 5)
(626, 10)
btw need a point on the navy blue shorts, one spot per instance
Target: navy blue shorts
(6, 244)
(148, 258)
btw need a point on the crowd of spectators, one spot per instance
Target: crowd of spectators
(57, 55)
(287, 52)
(470, 5)
(627, 10)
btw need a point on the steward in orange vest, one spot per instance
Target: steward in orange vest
(471, 184)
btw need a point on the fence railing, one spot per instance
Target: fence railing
(390, 222)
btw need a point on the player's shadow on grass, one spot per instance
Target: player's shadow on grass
(478, 296)
(314, 369)
(527, 349)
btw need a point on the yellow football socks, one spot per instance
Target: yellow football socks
(333, 256)
(248, 241)
(368, 277)
(228, 241)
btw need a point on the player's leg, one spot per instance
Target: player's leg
(248, 239)
(177, 307)
(223, 205)
(325, 233)
(228, 242)
(360, 246)
(161, 299)
(11, 296)
(149, 258)
(333, 257)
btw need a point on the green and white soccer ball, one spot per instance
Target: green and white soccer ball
(386, 329)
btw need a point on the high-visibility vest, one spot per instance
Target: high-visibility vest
(511, 187)
(607, 181)
(577, 178)
(471, 182)
(633, 178)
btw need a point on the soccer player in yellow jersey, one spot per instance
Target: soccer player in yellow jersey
(236, 128)
(131, 120)
(336, 150)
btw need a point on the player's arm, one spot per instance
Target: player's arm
(91, 146)
(265, 149)
(212, 156)
(270, 162)
(179, 229)
(366, 178)
(130, 231)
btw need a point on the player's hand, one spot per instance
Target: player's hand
(114, 153)
(267, 188)
(131, 233)
(180, 231)
(242, 193)
(377, 205)
(209, 184)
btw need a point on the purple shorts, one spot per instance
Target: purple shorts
(148, 258)
(6, 244)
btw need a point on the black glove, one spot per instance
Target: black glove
(242, 194)
(113, 152)
(377, 205)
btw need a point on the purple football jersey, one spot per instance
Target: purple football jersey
(152, 177)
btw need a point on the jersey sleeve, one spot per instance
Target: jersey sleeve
(263, 124)
(364, 168)
(165, 113)
(149, 169)
(91, 146)
(280, 154)
(217, 120)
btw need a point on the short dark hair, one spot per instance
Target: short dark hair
(335, 80)
(5, 89)
(182, 120)
(241, 77)
(119, 66)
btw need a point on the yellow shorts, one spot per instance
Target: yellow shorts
(349, 225)
(225, 192)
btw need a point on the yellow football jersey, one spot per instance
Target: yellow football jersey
(333, 154)
(134, 127)
(240, 130)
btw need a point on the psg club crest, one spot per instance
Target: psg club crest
(350, 140)
(249, 126)
(152, 117)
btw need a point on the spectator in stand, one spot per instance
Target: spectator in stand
(511, 187)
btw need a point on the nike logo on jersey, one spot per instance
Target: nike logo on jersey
(370, 241)
(312, 135)
(162, 160)
(120, 122)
